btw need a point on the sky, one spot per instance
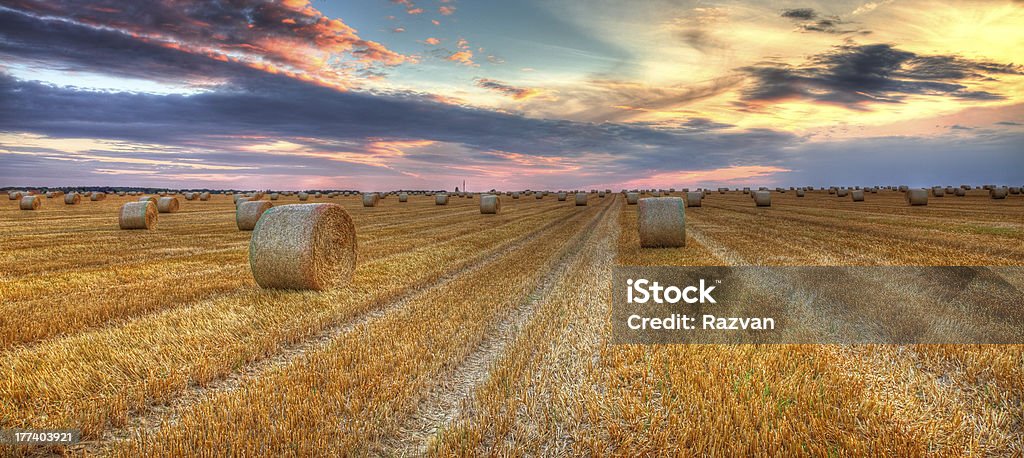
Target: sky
(539, 94)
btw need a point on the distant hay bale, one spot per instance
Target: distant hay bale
(147, 199)
(842, 192)
(370, 199)
(168, 205)
(661, 222)
(247, 214)
(800, 193)
(318, 195)
(515, 195)
(722, 190)
(274, 196)
(490, 204)
(204, 196)
(562, 195)
(72, 198)
(601, 194)
(97, 196)
(938, 192)
(1013, 190)
(31, 202)
(959, 192)
(581, 199)
(304, 246)
(539, 195)
(303, 196)
(138, 215)
(403, 197)
(997, 192)
(15, 195)
(694, 199)
(763, 199)
(632, 198)
(917, 197)
(441, 199)
(857, 195)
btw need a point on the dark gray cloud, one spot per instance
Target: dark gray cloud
(808, 20)
(805, 14)
(857, 75)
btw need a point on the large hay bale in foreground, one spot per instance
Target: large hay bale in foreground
(490, 204)
(581, 199)
(72, 198)
(168, 205)
(661, 222)
(303, 246)
(694, 199)
(403, 197)
(138, 215)
(763, 199)
(370, 199)
(998, 192)
(248, 213)
(441, 199)
(857, 195)
(917, 197)
(632, 198)
(30, 202)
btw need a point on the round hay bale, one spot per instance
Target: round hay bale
(97, 196)
(72, 198)
(15, 195)
(403, 197)
(248, 213)
(581, 199)
(515, 195)
(938, 192)
(694, 199)
(441, 199)
(562, 195)
(800, 193)
(998, 192)
(1014, 190)
(539, 195)
(147, 199)
(168, 205)
(138, 215)
(318, 195)
(857, 195)
(304, 246)
(917, 197)
(959, 192)
(661, 222)
(763, 199)
(204, 196)
(274, 196)
(601, 194)
(370, 199)
(490, 204)
(303, 196)
(632, 198)
(30, 202)
(842, 192)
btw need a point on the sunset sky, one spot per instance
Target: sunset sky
(423, 94)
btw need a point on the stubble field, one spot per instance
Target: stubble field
(466, 334)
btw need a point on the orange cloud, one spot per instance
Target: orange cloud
(432, 41)
(462, 57)
(517, 93)
(446, 10)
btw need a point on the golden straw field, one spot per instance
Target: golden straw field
(465, 334)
